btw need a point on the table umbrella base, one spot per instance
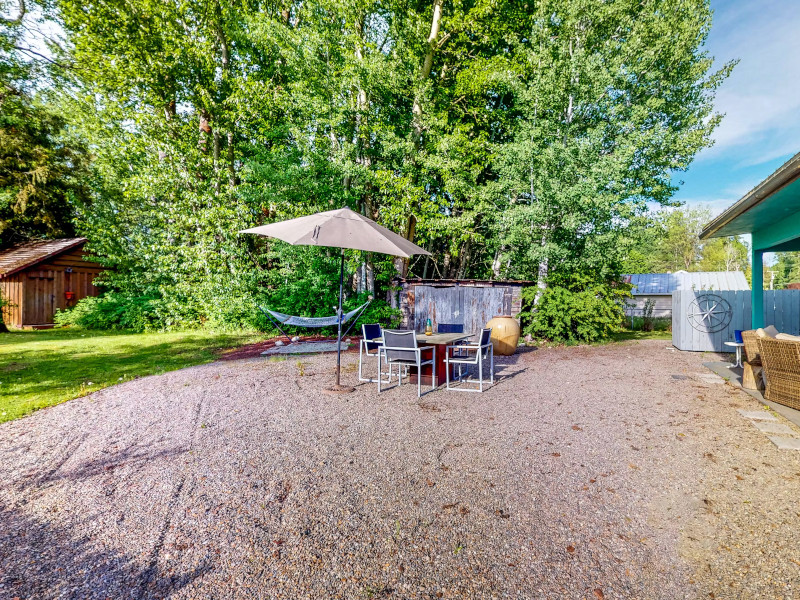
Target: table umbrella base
(338, 389)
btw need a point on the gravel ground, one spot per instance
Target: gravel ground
(586, 472)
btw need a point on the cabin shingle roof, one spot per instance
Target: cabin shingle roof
(26, 255)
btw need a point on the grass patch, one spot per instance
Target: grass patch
(624, 336)
(43, 368)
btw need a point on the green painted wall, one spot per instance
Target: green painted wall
(780, 232)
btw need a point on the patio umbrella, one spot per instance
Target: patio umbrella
(345, 229)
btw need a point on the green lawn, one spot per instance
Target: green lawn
(626, 335)
(43, 368)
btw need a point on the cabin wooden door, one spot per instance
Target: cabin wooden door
(40, 298)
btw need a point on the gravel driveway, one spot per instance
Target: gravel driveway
(619, 471)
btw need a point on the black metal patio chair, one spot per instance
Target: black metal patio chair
(368, 347)
(400, 348)
(471, 355)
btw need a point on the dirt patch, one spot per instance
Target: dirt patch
(255, 350)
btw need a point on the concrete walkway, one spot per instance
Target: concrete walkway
(733, 375)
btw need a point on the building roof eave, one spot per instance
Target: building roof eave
(785, 175)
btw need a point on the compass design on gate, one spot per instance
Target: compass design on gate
(709, 313)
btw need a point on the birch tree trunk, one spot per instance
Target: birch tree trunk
(425, 71)
(416, 110)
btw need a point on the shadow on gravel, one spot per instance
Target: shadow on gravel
(39, 560)
(131, 458)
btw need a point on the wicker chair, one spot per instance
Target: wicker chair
(751, 350)
(781, 361)
(751, 377)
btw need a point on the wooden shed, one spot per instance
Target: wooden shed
(468, 302)
(659, 287)
(41, 276)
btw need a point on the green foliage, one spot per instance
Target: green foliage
(42, 172)
(4, 302)
(43, 169)
(786, 269)
(627, 335)
(576, 310)
(112, 311)
(670, 241)
(656, 324)
(115, 310)
(522, 141)
(647, 315)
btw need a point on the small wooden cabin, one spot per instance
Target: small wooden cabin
(41, 276)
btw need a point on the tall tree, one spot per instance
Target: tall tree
(786, 269)
(511, 140)
(41, 167)
(671, 241)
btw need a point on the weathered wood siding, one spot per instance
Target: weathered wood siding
(12, 290)
(37, 292)
(470, 304)
(781, 309)
(662, 308)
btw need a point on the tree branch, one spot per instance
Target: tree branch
(40, 55)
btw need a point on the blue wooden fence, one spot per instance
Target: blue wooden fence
(781, 309)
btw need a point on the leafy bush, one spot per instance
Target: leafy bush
(377, 312)
(568, 315)
(112, 311)
(658, 324)
(647, 315)
(141, 313)
(3, 303)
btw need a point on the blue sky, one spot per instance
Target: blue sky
(760, 100)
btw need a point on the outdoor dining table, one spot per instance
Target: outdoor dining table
(440, 341)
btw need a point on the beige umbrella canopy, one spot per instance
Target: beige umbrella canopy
(345, 229)
(342, 228)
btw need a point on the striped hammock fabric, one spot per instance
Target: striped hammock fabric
(314, 321)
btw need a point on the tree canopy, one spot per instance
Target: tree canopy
(512, 140)
(670, 241)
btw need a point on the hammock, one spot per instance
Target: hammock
(283, 319)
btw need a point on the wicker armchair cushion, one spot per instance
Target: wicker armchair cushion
(788, 338)
(768, 331)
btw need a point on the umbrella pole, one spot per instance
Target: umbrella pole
(339, 314)
(338, 388)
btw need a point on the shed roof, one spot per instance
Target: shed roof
(26, 255)
(653, 284)
(489, 282)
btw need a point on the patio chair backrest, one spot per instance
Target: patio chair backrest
(393, 338)
(450, 328)
(370, 332)
(486, 338)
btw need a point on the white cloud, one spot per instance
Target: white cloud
(761, 99)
